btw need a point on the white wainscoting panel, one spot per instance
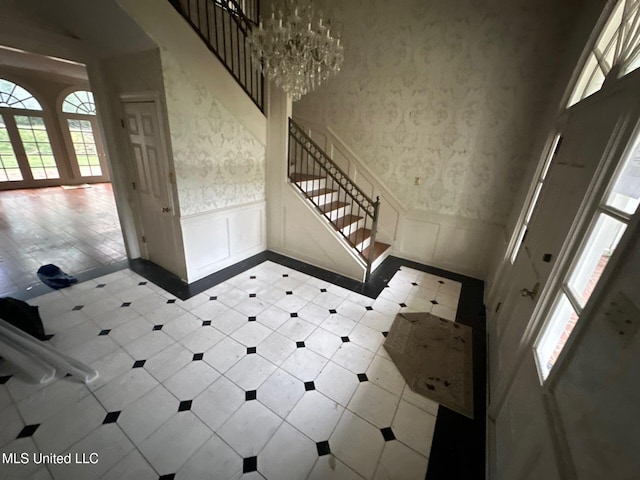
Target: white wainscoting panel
(214, 240)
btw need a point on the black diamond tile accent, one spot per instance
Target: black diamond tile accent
(387, 433)
(213, 298)
(5, 379)
(384, 334)
(206, 323)
(434, 302)
(111, 417)
(168, 476)
(252, 277)
(104, 332)
(294, 315)
(414, 284)
(198, 356)
(185, 405)
(308, 386)
(345, 339)
(403, 305)
(285, 275)
(249, 464)
(101, 285)
(28, 431)
(139, 363)
(289, 292)
(157, 327)
(251, 350)
(369, 308)
(142, 283)
(125, 304)
(440, 282)
(300, 344)
(48, 337)
(323, 448)
(252, 295)
(250, 395)
(333, 311)
(323, 290)
(171, 300)
(363, 377)
(252, 319)
(77, 307)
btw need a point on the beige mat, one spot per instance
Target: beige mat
(435, 358)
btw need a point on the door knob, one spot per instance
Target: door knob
(165, 209)
(530, 293)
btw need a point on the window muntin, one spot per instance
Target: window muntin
(14, 96)
(624, 195)
(35, 141)
(615, 53)
(81, 102)
(9, 168)
(84, 145)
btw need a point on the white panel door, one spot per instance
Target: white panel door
(152, 185)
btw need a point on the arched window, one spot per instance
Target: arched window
(614, 54)
(80, 111)
(23, 132)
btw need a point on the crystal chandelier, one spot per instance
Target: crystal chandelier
(296, 48)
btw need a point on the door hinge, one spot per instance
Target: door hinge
(133, 184)
(122, 122)
(144, 240)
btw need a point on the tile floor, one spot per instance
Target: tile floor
(271, 374)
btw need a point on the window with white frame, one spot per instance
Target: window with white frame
(605, 230)
(79, 108)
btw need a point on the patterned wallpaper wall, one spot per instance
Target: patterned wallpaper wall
(452, 92)
(218, 162)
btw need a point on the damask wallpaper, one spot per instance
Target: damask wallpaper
(452, 92)
(218, 162)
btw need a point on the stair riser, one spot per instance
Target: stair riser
(326, 198)
(340, 212)
(363, 244)
(311, 185)
(349, 229)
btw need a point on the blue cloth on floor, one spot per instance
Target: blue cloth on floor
(52, 276)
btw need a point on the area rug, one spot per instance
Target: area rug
(435, 358)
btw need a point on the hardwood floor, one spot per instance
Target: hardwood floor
(77, 230)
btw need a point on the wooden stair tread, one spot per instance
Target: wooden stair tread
(320, 191)
(359, 236)
(332, 206)
(378, 249)
(305, 177)
(342, 222)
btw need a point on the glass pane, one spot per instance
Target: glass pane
(594, 255)
(36, 145)
(555, 334)
(625, 193)
(9, 170)
(14, 96)
(84, 147)
(79, 102)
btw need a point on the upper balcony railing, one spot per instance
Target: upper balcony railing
(223, 25)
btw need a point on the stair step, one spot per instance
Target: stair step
(359, 236)
(378, 249)
(329, 207)
(305, 177)
(345, 221)
(320, 191)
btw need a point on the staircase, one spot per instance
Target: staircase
(352, 214)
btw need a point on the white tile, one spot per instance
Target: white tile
(131, 294)
(250, 428)
(225, 354)
(304, 364)
(191, 380)
(385, 306)
(338, 325)
(181, 326)
(337, 383)
(313, 313)
(251, 334)
(63, 321)
(280, 392)
(271, 294)
(130, 330)
(123, 390)
(366, 337)
(110, 367)
(148, 413)
(289, 455)
(273, 317)
(209, 310)
(251, 306)
(328, 300)
(148, 345)
(229, 321)
(132, 467)
(168, 361)
(385, 374)
(58, 395)
(445, 312)
(351, 310)
(414, 427)
(175, 442)
(353, 357)
(291, 303)
(296, 329)
(231, 297)
(276, 348)
(194, 302)
(61, 431)
(307, 291)
(213, 458)
(250, 372)
(418, 304)
(360, 299)
(12, 424)
(357, 443)
(288, 283)
(71, 337)
(315, 415)
(218, 402)
(328, 467)
(165, 314)
(323, 342)
(399, 461)
(420, 401)
(93, 349)
(377, 320)
(339, 291)
(201, 339)
(147, 304)
(5, 398)
(374, 404)
(19, 447)
(108, 306)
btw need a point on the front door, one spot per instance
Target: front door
(152, 185)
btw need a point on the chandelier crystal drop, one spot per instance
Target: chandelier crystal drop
(296, 47)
